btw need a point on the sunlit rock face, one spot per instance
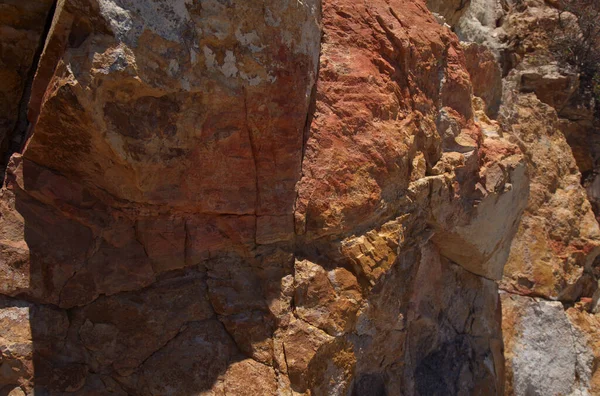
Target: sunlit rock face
(550, 283)
(258, 198)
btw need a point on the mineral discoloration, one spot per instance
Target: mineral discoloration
(295, 198)
(553, 256)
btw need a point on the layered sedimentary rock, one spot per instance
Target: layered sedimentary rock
(256, 198)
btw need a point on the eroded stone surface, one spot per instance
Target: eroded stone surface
(197, 216)
(554, 254)
(486, 75)
(558, 238)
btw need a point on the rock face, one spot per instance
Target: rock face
(289, 198)
(558, 238)
(154, 201)
(550, 281)
(486, 76)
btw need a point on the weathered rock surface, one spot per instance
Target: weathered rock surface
(285, 198)
(546, 354)
(448, 11)
(154, 200)
(558, 238)
(550, 346)
(486, 76)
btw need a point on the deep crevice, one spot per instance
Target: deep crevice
(13, 142)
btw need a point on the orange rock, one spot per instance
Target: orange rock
(258, 198)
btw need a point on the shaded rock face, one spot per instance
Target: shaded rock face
(22, 27)
(284, 197)
(486, 76)
(153, 205)
(448, 11)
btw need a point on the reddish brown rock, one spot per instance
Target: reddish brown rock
(486, 75)
(124, 330)
(191, 362)
(370, 138)
(181, 141)
(207, 220)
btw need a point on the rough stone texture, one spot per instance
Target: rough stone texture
(512, 30)
(545, 353)
(549, 345)
(285, 197)
(32, 336)
(351, 135)
(448, 11)
(587, 325)
(554, 254)
(392, 169)
(551, 85)
(559, 238)
(480, 24)
(486, 76)
(155, 197)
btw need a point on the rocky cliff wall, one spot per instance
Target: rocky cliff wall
(550, 284)
(286, 197)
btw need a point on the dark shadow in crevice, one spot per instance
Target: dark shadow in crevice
(13, 142)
